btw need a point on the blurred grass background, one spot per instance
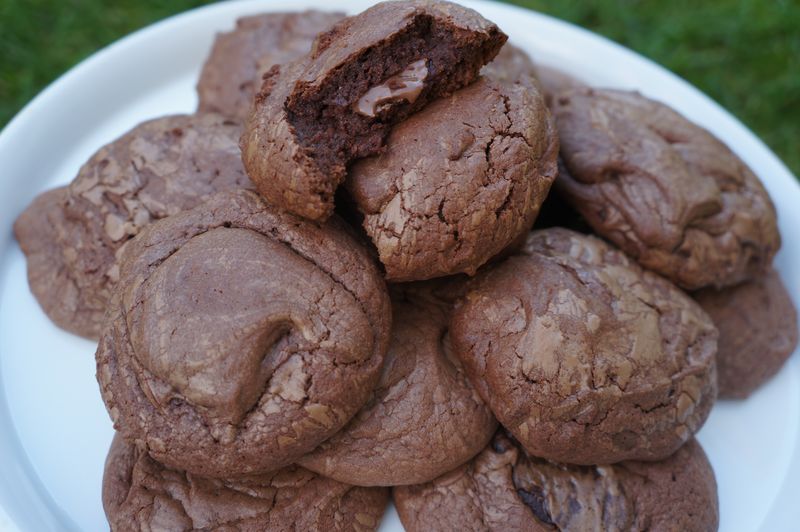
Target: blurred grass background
(743, 53)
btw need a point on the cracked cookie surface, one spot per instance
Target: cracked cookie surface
(505, 489)
(424, 417)
(460, 180)
(315, 116)
(232, 72)
(663, 189)
(583, 356)
(73, 236)
(757, 324)
(141, 494)
(240, 337)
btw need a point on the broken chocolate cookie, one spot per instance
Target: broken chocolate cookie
(370, 71)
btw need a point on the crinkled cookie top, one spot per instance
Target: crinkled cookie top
(585, 357)
(241, 337)
(663, 189)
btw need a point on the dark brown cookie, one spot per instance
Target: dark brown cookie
(424, 417)
(73, 236)
(757, 324)
(140, 494)
(314, 116)
(663, 189)
(512, 65)
(504, 489)
(458, 181)
(585, 357)
(240, 337)
(554, 81)
(232, 73)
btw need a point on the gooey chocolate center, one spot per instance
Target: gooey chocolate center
(405, 86)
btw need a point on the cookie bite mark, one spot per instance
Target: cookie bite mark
(585, 357)
(141, 494)
(503, 488)
(241, 337)
(369, 72)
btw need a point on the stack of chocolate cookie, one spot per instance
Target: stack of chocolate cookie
(325, 284)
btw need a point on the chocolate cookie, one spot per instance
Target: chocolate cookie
(512, 65)
(424, 417)
(585, 357)
(458, 181)
(72, 236)
(757, 324)
(504, 489)
(663, 189)
(240, 337)
(232, 73)
(554, 81)
(316, 115)
(141, 494)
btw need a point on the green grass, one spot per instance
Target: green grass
(743, 53)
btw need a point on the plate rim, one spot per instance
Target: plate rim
(19, 472)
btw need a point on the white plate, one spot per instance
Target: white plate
(54, 431)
